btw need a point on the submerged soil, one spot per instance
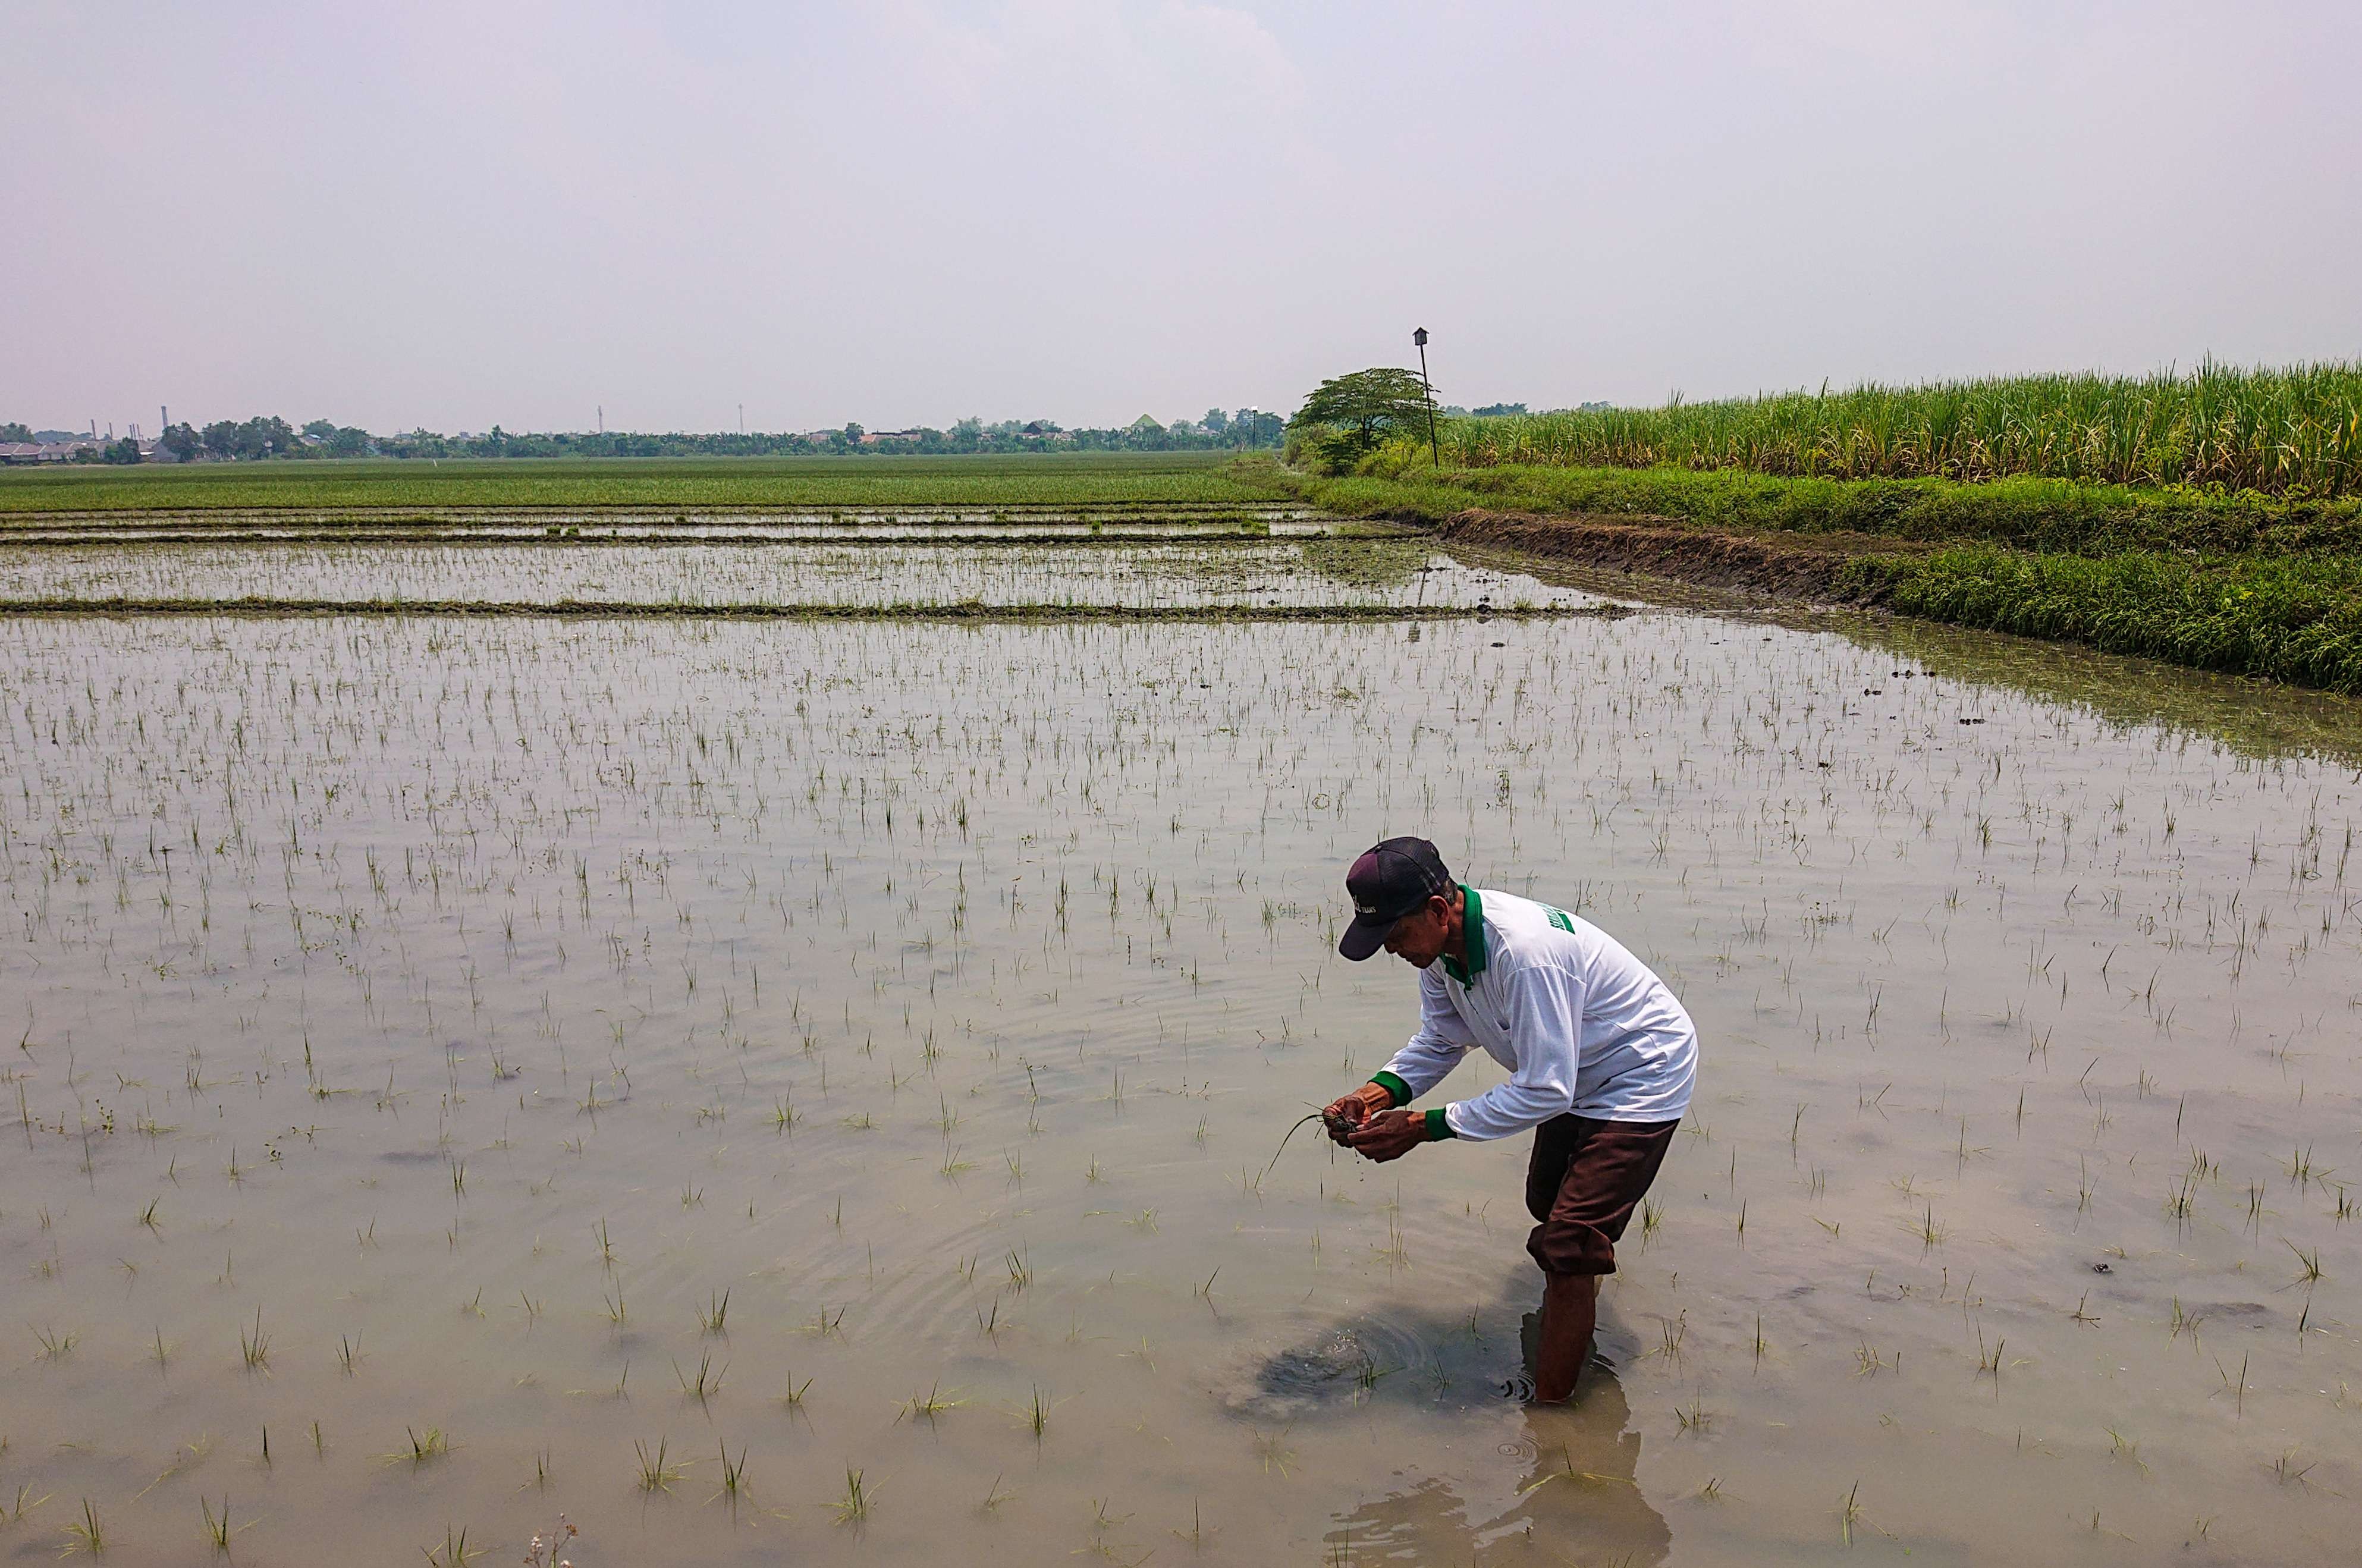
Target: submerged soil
(1791, 566)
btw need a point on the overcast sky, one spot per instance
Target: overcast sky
(900, 212)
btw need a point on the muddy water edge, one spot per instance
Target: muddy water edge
(474, 1069)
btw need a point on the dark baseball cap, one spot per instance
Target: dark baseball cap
(1390, 880)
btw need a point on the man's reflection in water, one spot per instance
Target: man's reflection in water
(1577, 1501)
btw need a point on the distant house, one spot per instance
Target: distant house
(871, 438)
(62, 451)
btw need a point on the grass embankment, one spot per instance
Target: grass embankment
(2239, 582)
(1070, 480)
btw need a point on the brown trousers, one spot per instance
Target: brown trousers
(1585, 1180)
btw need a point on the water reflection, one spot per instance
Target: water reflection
(1578, 1496)
(1576, 1477)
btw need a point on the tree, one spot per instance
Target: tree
(1347, 416)
(1254, 427)
(15, 431)
(123, 451)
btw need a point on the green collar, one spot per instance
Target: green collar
(1471, 937)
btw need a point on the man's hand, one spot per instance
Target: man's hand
(1389, 1135)
(1342, 1115)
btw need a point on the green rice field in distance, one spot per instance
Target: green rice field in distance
(809, 1090)
(662, 484)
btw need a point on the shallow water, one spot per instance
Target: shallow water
(491, 997)
(942, 523)
(1239, 573)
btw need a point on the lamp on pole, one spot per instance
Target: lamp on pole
(1419, 336)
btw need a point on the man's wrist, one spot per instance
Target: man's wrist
(1439, 1126)
(1398, 1091)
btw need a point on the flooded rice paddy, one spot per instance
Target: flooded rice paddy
(1236, 574)
(810, 1090)
(1164, 520)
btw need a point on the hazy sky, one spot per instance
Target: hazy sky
(901, 211)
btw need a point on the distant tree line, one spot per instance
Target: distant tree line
(262, 437)
(270, 436)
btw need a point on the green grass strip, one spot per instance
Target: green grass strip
(2052, 515)
(2298, 620)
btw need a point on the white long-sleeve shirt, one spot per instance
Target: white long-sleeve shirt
(1581, 1024)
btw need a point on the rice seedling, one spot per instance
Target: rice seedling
(733, 1476)
(85, 1534)
(453, 1551)
(420, 1447)
(853, 1508)
(929, 1406)
(706, 1384)
(254, 1345)
(714, 1316)
(219, 1532)
(1849, 1513)
(657, 1473)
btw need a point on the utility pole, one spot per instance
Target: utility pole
(1419, 336)
(602, 419)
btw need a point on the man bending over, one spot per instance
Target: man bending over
(1600, 1053)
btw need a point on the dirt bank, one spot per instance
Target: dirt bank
(1788, 566)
